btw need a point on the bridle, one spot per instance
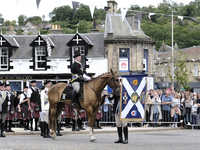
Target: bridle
(115, 86)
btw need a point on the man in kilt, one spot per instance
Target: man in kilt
(44, 115)
(74, 116)
(23, 108)
(35, 104)
(98, 116)
(82, 115)
(67, 116)
(10, 108)
(3, 107)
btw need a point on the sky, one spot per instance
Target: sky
(10, 9)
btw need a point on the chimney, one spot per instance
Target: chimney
(94, 30)
(113, 6)
(56, 29)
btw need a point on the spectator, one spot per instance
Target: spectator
(182, 88)
(194, 113)
(175, 110)
(167, 101)
(105, 110)
(155, 109)
(198, 109)
(188, 107)
(182, 104)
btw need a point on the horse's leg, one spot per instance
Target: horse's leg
(91, 118)
(53, 120)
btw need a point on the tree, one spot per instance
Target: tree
(181, 76)
(22, 20)
(7, 23)
(35, 20)
(1, 19)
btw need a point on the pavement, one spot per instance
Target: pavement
(105, 129)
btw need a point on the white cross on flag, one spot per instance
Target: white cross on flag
(131, 107)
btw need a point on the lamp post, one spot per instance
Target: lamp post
(173, 52)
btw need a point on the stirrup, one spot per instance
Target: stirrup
(73, 105)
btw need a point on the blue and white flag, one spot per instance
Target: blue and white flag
(131, 107)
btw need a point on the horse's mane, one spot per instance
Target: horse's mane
(101, 75)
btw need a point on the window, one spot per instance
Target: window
(136, 23)
(162, 71)
(4, 58)
(40, 57)
(123, 59)
(195, 70)
(16, 85)
(81, 50)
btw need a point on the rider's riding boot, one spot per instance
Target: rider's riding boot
(74, 96)
(2, 129)
(125, 135)
(58, 129)
(120, 140)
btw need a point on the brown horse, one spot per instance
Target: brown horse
(92, 99)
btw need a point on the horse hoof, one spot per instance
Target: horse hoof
(54, 138)
(93, 141)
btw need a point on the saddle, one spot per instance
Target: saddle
(67, 92)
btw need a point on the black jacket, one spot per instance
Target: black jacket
(76, 69)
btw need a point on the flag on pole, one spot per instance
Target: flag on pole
(38, 3)
(75, 5)
(130, 105)
(92, 7)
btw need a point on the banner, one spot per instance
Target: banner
(75, 5)
(38, 3)
(92, 7)
(131, 107)
(123, 12)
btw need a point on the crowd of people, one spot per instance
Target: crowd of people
(172, 108)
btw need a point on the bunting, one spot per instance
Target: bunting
(92, 7)
(151, 14)
(106, 8)
(48, 48)
(180, 17)
(123, 11)
(38, 3)
(17, 2)
(75, 5)
(194, 19)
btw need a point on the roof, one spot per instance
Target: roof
(59, 45)
(114, 24)
(11, 40)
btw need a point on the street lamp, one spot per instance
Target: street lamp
(173, 52)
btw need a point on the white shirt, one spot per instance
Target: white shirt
(44, 99)
(22, 97)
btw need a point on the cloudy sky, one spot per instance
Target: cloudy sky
(10, 9)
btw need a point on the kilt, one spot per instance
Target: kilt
(82, 113)
(33, 113)
(9, 116)
(19, 115)
(73, 114)
(99, 115)
(24, 112)
(66, 112)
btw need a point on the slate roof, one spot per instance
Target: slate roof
(114, 24)
(59, 45)
(11, 40)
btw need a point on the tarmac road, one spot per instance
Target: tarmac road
(159, 140)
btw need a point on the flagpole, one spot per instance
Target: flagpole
(172, 72)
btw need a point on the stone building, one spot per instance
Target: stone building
(127, 48)
(163, 62)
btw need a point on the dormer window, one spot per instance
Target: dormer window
(3, 58)
(40, 57)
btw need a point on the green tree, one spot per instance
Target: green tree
(181, 73)
(83, 13)
(35, 20)
(7, 23)
(61, 13)
(19, 31)
(22, 20)
(1, 19)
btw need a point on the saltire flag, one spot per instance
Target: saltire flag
(130, 106)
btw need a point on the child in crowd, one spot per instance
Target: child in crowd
(194, 112)
(175, 110)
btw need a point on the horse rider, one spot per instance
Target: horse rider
(119, 124)
(78, 73)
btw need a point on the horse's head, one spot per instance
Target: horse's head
(114, 83)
